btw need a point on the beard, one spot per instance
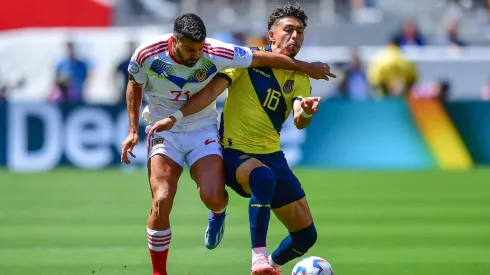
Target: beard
(186, 62)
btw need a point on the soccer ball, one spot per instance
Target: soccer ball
(312, 266)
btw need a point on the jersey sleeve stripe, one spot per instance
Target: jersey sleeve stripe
(208, 46)
(218, 54)
(221, 49)
(149, 51)
(150, 48)
(144, 58)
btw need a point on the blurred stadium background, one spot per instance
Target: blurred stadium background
(395, 165)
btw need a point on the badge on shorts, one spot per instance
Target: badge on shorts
(288, 86)
(156, 141)
(133, 67)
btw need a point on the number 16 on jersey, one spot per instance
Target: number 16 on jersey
(272, 99)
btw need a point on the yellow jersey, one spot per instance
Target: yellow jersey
(259, 101)
(391, 71)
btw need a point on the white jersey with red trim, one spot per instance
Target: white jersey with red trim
(173, 83)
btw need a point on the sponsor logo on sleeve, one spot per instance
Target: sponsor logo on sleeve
(240, 52)
(133, 68)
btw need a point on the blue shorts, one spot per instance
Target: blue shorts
(288, 187)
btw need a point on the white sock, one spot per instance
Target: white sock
(259, 252)
(272, 263)
(158, 240)
(219, 212)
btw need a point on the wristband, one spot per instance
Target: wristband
(178, 115)
(304, 114)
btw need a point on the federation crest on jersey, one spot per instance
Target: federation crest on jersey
(288, 86)
(200, 75)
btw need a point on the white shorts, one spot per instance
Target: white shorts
(185, 147)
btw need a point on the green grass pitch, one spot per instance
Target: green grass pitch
(68, 222)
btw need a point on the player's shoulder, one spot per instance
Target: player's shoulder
(159, 40)
(215, 43)
(218, 50)
(302, 76)
(301, 80)
(149, 47)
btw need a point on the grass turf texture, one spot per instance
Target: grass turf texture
(385, 223)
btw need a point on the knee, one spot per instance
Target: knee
(262, 182)
(214, 200)
(304, 239)
(161, 195)
(162, 199)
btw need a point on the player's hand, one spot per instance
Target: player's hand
(162, 125)
(320, 70)
(127, 147)
(310, 104)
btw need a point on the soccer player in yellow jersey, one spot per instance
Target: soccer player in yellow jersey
(259, 102)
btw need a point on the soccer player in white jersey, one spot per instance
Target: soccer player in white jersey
(178, 65)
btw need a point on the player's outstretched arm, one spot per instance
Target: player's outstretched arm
(134, 95)
(304, 110)
(205, 96)
(316, 70)
(196, 103)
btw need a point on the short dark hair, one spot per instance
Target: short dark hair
(288, 11)
(189, 26)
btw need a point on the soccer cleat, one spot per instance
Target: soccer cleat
(261, 266)
(215, 230)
